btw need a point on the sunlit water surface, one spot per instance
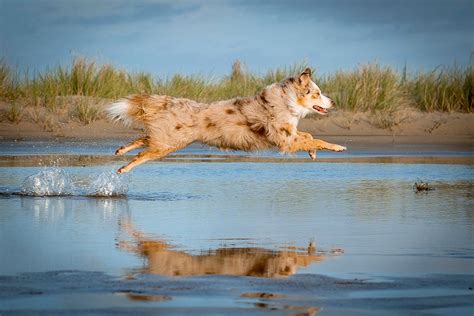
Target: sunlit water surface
(343, 220)
(182, 236)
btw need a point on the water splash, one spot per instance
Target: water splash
(108, 184)
(48, 182)
(57, 182)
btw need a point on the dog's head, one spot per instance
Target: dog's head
(306, 96)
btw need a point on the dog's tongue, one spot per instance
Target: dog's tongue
(320, 109)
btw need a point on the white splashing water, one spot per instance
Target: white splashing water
(57, 182)
(108, 184)
(48, 182)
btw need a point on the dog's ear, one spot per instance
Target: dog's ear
(305, 77)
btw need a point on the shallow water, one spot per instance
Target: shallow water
(265, 220)
(368, 210)
(356, 148)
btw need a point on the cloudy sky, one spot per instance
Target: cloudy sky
(204, 37)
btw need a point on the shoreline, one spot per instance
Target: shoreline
(413, 127)
(97, 160)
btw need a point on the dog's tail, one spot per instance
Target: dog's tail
(121, 111)
(132, 108)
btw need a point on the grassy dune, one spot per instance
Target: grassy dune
(80, 88)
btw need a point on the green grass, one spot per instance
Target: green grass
(86, 112)
(9, 86)
(370, 87)
(445, 89)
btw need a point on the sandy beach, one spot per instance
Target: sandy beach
(409, 126)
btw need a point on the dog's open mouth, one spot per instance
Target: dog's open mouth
(320, 109)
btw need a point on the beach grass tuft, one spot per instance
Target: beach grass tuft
(444, 89)
(14, 113)
(85, 111)
(367, 88)
(374, 88)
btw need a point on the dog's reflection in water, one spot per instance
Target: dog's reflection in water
(162, 259)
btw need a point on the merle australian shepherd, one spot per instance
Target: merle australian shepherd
(266, 120)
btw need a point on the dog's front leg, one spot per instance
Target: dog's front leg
(306, 136)
(306, 142)
(321, 144)
(312, 154)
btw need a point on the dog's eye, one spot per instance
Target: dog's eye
(308, 91)
(315, 95)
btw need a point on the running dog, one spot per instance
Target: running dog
(266, 120)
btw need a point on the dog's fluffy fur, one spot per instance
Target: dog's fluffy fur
(266, 120)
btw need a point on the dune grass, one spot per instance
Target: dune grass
(14, 113)
(444, 89)
(85, 111)
(369, 87)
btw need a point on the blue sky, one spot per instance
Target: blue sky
(204, 37)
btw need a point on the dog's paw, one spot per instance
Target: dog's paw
(312, 154)
(339, 148)
(119, 151)
(122, 170)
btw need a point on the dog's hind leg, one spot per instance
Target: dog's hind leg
(145, 156)
(137, 143)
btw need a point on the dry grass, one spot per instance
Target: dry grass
(14, 113)
(388, 119)
(379, 90)
(85, 111)
(368, 88)
(444, 89)
(44, 118)
(9, 85)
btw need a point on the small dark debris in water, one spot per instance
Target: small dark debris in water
(262, 295)
(470, 289)
(421, 186)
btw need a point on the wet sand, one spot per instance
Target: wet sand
(95, 293)
(94, 160)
